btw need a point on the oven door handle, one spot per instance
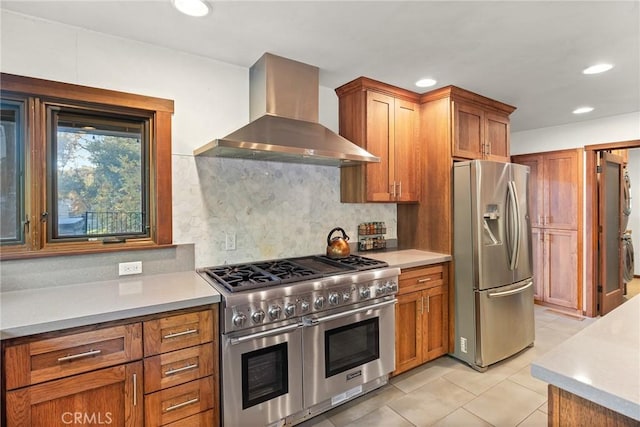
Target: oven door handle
(268, 333)
(311, 321)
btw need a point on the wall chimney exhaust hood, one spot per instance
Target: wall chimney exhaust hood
(284, 120)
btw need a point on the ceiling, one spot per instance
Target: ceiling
(527, 54)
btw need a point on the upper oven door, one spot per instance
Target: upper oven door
(262, 376)
(344, 350)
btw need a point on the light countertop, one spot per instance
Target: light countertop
(33, 311)
(601, 363)
(407, 258)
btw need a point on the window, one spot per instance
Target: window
(97, 176)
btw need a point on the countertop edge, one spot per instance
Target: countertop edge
(57, 325)
(600, 397)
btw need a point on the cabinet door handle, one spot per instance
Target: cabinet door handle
(180, 405)
(180, 334)
(178, 370)
(135, 389)
(426, 279)
(400, 189)
(421, 305)
(489, 148)
(427, 298)
(79, 355)
(393, 190)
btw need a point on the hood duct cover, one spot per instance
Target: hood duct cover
(284, 121)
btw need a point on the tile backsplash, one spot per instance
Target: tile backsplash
(274, 209)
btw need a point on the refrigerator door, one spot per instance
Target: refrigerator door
(489, 218)
(523, 268)
(505, 322)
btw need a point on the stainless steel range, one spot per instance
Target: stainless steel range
(302, 335)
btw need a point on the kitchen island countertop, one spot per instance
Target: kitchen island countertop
(407, 258)
(33, 311)
(601, 363)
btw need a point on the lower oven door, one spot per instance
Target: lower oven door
(262, 376)
(345, 350)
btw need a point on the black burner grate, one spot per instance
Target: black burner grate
(288, 271)
(241, 277)
(360, 263)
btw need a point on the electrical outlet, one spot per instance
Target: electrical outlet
(126, 268)
(463, 344)
(230, 241)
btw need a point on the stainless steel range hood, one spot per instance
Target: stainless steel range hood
(284, 120)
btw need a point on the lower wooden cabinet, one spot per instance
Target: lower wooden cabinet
(421, 317)
(111, 396)
(100, 375)
(555, 267)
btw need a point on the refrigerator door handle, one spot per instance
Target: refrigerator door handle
(514, 216)
(512, 291)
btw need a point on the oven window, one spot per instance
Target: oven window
(350, 346)
(264, 375)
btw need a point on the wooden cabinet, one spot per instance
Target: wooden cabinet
(154, 370)
(384, 121)
(421, 316)
(555, 200)
(180, 376)
(479, 133)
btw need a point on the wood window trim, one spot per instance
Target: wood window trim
(160, 110)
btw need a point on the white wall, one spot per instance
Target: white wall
(600, 131)
(275, 209)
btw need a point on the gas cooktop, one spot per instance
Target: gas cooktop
(242, 277)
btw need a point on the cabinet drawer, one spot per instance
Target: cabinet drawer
(177, 367)
(203, 419)
(175, 403)
(71, 354)
(176, 332)
(418, 278)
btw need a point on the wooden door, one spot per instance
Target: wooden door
(561, 267)
(109, 396)
(561, 190)
(610, 195)
(468, 131)
(380, 134)
(537, 251)
(536, 187)
(405, 171)
(408, 331)
(496, 137)
(435, 322)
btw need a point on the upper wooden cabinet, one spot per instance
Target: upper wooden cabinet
(554, 188)
(384, 121)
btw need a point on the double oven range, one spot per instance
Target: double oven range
(302, 335)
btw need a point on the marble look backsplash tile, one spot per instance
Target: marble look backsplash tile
(275, 209)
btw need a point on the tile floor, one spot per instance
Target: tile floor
(447, 392)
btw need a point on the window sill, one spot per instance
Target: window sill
(112, 247)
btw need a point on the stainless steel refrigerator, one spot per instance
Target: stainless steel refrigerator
(493, 262)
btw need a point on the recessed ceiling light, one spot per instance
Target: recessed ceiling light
(582, 110)
(191, 7)
(425, 82)
(598, 68)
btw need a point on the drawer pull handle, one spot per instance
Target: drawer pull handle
(180, 405)
(178, 370)
(427, 279)
(179, 334)
(79, 355)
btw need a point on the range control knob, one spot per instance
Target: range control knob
(391, 286)
(304, 306)
(258, 316)
(380, 290)
(365, 293)
(346, 296)
(239, 319)
(274, 312)
(290, 310)
(319, 303)
(334, 298)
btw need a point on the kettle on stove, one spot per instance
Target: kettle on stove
(337, 247)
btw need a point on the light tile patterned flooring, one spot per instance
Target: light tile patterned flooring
(447, 392)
